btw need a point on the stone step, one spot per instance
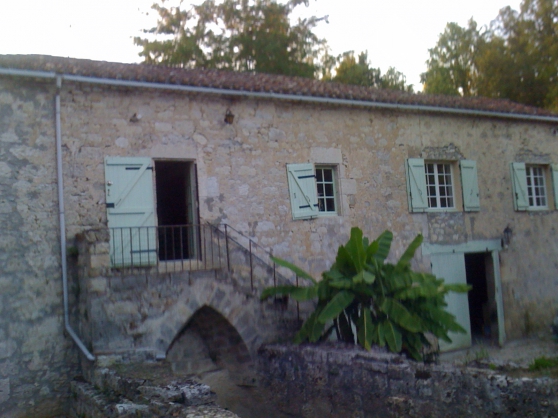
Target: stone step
(121, 394)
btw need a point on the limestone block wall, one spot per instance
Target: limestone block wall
(36, 360)
(242, 177)
(332, 381)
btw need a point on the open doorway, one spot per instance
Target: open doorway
(482, 297)
(175, 185)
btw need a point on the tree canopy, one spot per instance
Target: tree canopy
(515, 58)
(254, 35)
(358, 71)
(242, 35)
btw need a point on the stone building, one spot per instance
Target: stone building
(290, 163)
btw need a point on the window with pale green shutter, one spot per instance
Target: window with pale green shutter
(431, 185)
(302, 190)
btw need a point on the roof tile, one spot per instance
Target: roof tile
(257, 82)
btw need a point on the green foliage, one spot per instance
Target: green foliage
(387, 304)
(516, 58)
(542, 363)
(242, 35)
(350, 70)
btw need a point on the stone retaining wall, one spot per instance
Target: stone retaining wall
(337, 381)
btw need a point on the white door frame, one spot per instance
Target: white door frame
(492, 246)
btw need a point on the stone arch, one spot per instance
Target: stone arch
(208, 341)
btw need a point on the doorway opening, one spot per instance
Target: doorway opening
(482, 297)
(175, 186)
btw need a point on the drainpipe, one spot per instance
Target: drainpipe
(69, 329)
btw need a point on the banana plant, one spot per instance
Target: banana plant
(387, 304)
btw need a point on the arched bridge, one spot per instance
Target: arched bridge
(144, 311)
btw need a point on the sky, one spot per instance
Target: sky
(396, 33)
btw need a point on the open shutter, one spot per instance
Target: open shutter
(470, 185)
(555, 184)
(130, 211)
(416, 185)
(519, 183)
(302, 189)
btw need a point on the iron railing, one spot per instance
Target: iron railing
(166, 249)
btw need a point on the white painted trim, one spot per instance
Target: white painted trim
(467, 247)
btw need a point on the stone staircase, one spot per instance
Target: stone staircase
(119, 391)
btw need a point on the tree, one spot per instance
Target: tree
(516, 58)
(242, 35)
(359, 72)
(451, 65)
(386, 304)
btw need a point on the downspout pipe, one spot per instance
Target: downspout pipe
(62, 216)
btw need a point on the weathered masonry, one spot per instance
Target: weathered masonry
(132, 173)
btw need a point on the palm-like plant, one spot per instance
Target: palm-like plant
(387, 304)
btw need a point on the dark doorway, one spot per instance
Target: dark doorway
(479, 305)
(176, 209)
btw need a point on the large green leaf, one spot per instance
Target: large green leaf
(355, 249)
(337, 304)
(311, 329)
(457, 287)
(397, 313)
(384, 245)
(392, 336)
(295, 269)
(364, 277)
(296, 292)
(365, 329)
(344, 262)
(409, 253)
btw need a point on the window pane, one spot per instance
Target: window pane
(319, 176)
(328, 175)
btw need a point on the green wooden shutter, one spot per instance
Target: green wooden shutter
(130, 211)
(302, 190)
(416, 185)
(519, 184)
(469, 185)
(555, 184)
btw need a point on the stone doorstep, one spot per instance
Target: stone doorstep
(110, 394)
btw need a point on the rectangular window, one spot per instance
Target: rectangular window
(439, 185)
(325, 185)
(536, 188)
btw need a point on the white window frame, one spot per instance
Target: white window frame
(441, 192)
(323, 194)
(526, 192)
(537, 193)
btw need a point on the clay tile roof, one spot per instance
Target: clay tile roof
(257, 82)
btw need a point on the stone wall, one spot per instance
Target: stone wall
(36, 360)
(145, 311)
(242, 176)
(333, 381)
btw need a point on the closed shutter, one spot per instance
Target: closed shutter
(519, 184)
(416, 185)
(130, 211)
(555, 184)
(302, 190)
(470, 185)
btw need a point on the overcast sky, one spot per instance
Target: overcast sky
(396, 33)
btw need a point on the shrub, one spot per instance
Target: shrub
(386, 304)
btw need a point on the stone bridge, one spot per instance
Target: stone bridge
(186, 316)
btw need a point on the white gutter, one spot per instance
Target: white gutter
(281, 96)
(63, 224)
